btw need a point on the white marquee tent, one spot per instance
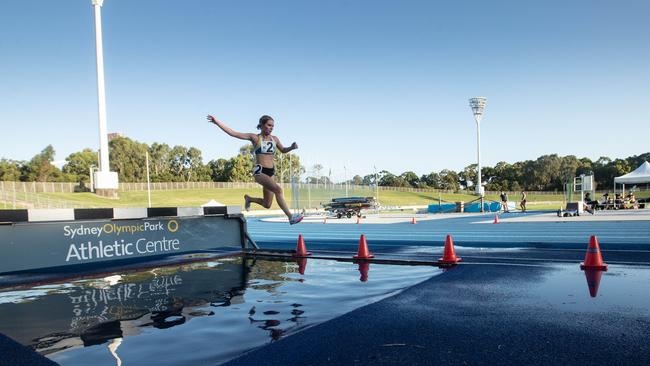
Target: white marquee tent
(639, 175)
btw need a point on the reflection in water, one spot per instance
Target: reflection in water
(112, 347)
(593, 280)
(302, 265)
(97, 310)
(236, 303)
(364, 268)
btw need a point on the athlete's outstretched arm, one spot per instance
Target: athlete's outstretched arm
(283, 149)
(230, 131)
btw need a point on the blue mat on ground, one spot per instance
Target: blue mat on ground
(469, 207)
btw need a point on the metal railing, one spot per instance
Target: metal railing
(20, 200)
(70, 187)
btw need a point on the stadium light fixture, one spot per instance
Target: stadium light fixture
(478, 106)
(105, 180)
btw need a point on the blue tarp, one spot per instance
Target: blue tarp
(487, 206)
(445, 207)
(469, 207)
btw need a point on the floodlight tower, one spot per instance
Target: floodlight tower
(478, 105)
(106, 182)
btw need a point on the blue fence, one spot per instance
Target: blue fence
(468, 207)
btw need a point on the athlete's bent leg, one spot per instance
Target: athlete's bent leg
(264, 202)
(269, 184)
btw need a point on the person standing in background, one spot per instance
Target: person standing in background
(504, 201)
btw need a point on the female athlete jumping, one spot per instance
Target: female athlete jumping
(265, 146)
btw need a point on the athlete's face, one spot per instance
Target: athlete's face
(267, 127)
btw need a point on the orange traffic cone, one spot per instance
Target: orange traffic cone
(302, 265)
(593, 258)
(449, 255)
(496, 219)
(413, 221)
(363, 252)
(301, 249)
(364, 268)
(593, 280)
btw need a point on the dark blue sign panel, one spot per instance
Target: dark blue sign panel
(51, 244)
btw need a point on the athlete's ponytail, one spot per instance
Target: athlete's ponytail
(263, 120)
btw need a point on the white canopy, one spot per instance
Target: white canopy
(640, 175)
(212, 203)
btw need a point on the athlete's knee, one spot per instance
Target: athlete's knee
(267, 204)
(277, 190)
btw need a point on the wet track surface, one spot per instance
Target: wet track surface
(190, 313)
(486, 315)
(518, 297)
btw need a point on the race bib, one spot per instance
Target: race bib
(257, 169)
(268, 147)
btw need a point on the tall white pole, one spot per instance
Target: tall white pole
(101, 92)
(376, 186)
(330, 184)
(346, 180)
(478, 105)
(148, 181)
(92, 175)
(478, 156)
(106, 182)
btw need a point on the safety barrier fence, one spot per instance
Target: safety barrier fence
(70, 187)
(13, 199)
(302, 195)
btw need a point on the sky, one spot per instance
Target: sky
(357, 84)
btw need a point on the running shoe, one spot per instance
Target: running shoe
(296, 218)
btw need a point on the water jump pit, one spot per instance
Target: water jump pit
(241, 304)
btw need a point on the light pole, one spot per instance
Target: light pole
(376, 186)
(106, 182)
(92, 174)
(478, 105)
(346, 180)
(146, 156)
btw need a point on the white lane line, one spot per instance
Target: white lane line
(438, 235)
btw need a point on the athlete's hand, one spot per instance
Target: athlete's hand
(294, 146)
(211, 119)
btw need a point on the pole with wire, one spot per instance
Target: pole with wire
(478, 106)
(345, 170)
(376, 185)
(148, 181)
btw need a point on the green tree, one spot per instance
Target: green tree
(78, 164)
(468, 176)
(239, 169)
(391, 180)
(218, 170)
(11, 170)
(127, 158)
(547, 168)
(449, 180)
(569, 166)
(357, 180)
(159, 163)
(431, 180)
(40, 167)
(288, 168)
(196, 171)
(411, 178)
(369, 179)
